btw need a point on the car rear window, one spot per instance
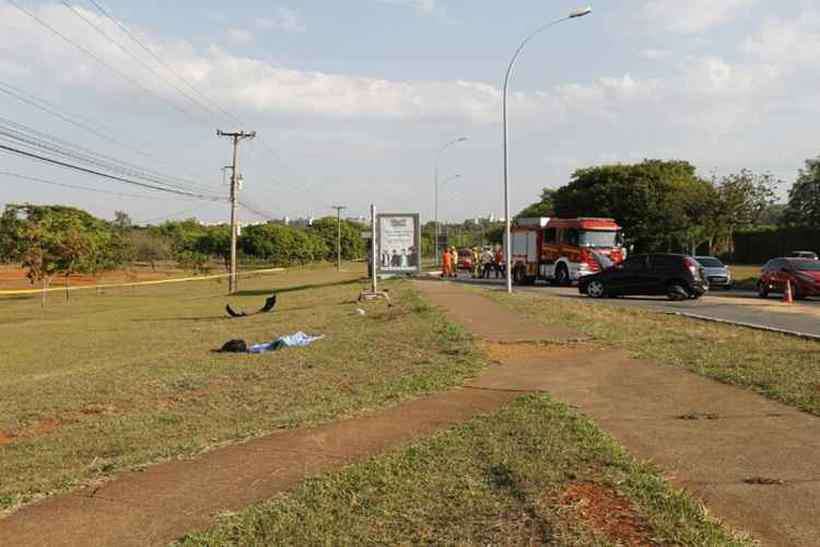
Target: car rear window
(709, 262)
(665, 261)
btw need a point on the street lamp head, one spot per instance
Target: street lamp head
(580, 12)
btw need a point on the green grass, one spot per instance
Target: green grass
(127, 378)
(498, 479)
(778, 366)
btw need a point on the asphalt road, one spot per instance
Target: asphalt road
(743, 307)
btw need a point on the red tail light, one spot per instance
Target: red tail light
(693, 265)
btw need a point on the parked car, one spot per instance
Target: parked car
(465, 259)
(677, 277)
(802, 273)
(805, 254)
(717, 273)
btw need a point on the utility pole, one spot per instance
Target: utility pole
(339, 209)
(237, 137)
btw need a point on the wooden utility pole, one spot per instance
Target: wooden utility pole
(339, 209)
(237, 136)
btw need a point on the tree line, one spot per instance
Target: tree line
(665, 206)
(51, 241)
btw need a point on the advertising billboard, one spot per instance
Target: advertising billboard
(398, 243)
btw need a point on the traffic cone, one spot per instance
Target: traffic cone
(788, 296)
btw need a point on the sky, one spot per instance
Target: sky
(352, 100)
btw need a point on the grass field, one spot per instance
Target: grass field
(127, 378)
(777, 366)
(534, 474)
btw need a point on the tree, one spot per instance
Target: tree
(743, 199)
(215, 241)
(804, 197)
(543, 208)
(148, 246)
(651, 200)
(353, 246)
(122, 221)
(53, 239)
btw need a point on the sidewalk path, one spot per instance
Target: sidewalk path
(639, 403)
(707, 437)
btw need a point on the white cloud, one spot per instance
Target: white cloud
(787, 42)
(284, 19)
(692, 16)
(655, 54)
(239, 36)
(422, 6)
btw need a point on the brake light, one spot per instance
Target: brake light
(693, 266)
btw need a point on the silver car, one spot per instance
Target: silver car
(717, 273)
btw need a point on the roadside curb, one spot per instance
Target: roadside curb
(796, 334)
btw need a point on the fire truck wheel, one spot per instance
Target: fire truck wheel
(596, 289)
(562, 275)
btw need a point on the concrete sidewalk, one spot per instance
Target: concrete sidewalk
(715, 440)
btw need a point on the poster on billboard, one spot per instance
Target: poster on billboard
(399, 238)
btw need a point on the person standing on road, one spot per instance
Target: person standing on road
(487, 260)
(499, 262)
(476, 263)
(445, 263)
(454, 259)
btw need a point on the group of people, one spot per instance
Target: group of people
(485, 262)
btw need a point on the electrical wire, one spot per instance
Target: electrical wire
(101, 61)
(84, 188)
(45, 159)
(43, 141)
(160, 61)
(97, 28)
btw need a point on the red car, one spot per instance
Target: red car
(465, 259)
(802, 273)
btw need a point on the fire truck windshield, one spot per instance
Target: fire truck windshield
(599, 239)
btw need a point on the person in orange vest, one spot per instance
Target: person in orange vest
(446, 267)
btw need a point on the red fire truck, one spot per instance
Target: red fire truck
(562, 250)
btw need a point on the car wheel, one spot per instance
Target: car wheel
(677, 293)
(762, 290)
(562, 275)
(596, 289)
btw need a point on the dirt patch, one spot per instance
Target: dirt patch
(6, 438)
(605, 511)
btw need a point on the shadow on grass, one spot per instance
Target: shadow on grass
(297, 288)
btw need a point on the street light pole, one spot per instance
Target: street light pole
(435, 177)
(507, 220)
(339, 209)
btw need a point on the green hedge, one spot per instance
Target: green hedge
(759, 246)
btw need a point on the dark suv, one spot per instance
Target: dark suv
(679, 277)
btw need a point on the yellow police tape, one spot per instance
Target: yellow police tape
(140, 283)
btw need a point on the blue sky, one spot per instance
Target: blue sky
(352, 98)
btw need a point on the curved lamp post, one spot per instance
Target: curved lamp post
(508, 220)
(438, 158)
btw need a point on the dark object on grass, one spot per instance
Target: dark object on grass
(270, 303)
(234, 346)
(764, 481)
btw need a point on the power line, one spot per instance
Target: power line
(122, 48)
(100, 60)
(33, 138)
(83, 188)
(159, 60)
(66, 165)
